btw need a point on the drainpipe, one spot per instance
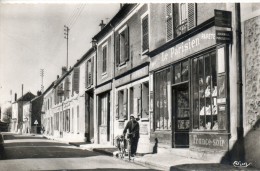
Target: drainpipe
(240, 129)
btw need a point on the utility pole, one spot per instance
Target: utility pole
(42, 75)
(66, 36)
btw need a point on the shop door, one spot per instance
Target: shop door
(181, 115)
(89, 116)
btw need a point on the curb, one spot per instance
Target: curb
(108, 153)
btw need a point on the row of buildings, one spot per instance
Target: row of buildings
(188, 71)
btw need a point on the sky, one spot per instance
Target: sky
(32, 38)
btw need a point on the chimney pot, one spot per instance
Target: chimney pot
(102, 24)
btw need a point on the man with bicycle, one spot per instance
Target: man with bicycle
(133, 128)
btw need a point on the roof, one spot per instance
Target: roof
(26, 97)
(50, 86)
(121, 14)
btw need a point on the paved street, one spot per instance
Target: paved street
(36, 153)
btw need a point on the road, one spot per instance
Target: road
(25, 152)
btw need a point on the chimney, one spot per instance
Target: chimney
(102, 24)
(58, 76)
(22, 90)
(64, 70)
(39, 93)
(121, 5)
(15, 97)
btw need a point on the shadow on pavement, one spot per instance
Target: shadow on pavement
(208, 166)
(15, 137)
(106, 169)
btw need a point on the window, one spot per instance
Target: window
(104, 109)
(145, 100)
(121, 104)
(205, 92)
(56, 121)
(75, 80)
(104, 59)
(161, 115)
(72, 119)
(89, 72)
(78, 118)
(66, 88)
(145, 34)
(181, 72)
(180, 17)
(122, 46)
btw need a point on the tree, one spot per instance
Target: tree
(7, 114)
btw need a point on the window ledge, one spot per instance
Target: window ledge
(103, 75)
(145, 52)
(121, 65)
(144, 119)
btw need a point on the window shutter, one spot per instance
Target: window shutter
(126, 44)
(125, 102)
(92, 70)
(66, 88)
(191, 15)
(117, 109)
(145, 33)
(76, 80)
(104, 59)
(117, 49)
(169, 22)
(86, 74)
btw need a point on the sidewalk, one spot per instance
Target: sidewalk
(173, 160)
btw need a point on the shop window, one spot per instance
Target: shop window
(121, 111)
(104, 59)
(180, 17)
(161, 113)
(77, 118)
(104, 109)
(131, 101)
(72, 119)
(145, 100)
(145, 33)
(122, 46)
(56, 121)
(181, 72)
(204, 92)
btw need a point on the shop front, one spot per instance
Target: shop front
(190, 94)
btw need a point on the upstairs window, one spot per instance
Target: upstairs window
(104, 58)
(180, 18)
(75, 79)
(145, 33)
(122, 46)
(89, 72)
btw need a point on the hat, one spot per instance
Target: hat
(132, 115)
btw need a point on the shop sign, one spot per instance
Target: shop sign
(223, 18)
(194, 44)
(223, 36)
(210, 141)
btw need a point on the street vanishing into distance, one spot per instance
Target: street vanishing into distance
(29, 152)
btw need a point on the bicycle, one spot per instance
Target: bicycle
(124, 146)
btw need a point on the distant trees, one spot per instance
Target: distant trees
(7, 114)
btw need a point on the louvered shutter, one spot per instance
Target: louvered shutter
(191, 15)
(169, 22)
(117, 49)
(92, 71)
(145, 33)
(125, 103)
(66, 87)
(117, 108)
(86, 74)
(126, 44)
(76, 80)
(104, 67)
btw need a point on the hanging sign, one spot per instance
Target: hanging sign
(36, 122)
(223, 36)
(223, 18)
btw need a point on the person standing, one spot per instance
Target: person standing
(133, 128)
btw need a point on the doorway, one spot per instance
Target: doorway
(181, 115)
(89, 116)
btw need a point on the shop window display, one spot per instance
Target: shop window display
(204, 92)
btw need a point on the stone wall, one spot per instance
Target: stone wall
(252, 90)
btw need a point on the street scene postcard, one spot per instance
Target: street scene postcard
(111, 85)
